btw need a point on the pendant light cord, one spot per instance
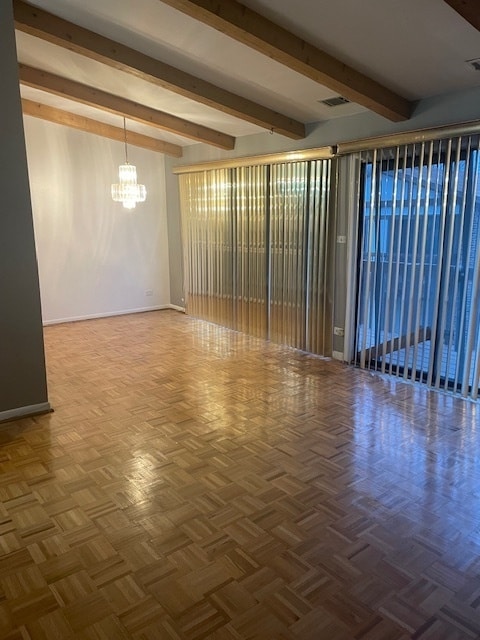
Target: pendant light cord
(125, 135)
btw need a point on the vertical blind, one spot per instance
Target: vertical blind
(419, 263)
(249, 212)
(209, 236)
(258, 246)
(288, 212)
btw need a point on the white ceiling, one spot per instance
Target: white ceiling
(417, 48)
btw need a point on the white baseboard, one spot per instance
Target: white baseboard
(338, 355)
(175, 307)
(108, 314)
(24, 412)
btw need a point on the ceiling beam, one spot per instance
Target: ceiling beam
(468, 9)
(93, 97)
(49, 27)
(257, 32)
(75, 121)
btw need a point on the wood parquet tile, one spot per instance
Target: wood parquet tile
(197, 483)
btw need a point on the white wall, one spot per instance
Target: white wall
(95, 258)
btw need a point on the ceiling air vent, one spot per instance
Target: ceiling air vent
(474, 64)
(335, 102)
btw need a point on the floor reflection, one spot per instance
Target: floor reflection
(194, 483)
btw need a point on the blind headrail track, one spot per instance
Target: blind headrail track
(409, 137)
(341, 149)
(320, 153)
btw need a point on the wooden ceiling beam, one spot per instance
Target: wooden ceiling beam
(75, 121)
(468, 9)
(93, 97)
(257, 32)
(49, 27)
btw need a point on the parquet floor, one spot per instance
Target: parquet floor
(197, 483)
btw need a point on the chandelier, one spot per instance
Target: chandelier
(127, 190)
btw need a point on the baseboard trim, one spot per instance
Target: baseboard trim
(108, 314)
(338, 355)
(25, 412)
(175, 307)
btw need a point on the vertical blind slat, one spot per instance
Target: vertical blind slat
(411, 329)
(446, 272)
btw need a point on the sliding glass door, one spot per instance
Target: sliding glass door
(419, 263)
(258, 250)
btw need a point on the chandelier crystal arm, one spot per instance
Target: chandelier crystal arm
(127, 190)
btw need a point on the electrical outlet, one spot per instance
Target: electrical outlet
(338, 331)
(341, 239)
